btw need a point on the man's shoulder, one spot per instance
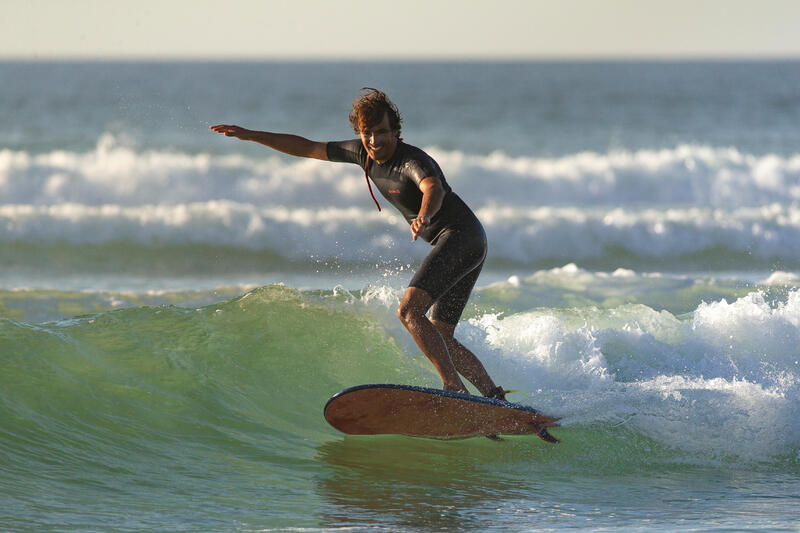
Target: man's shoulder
(348, 151)
(411, 154)
(354, 145)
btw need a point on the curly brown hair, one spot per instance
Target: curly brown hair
(369, 108)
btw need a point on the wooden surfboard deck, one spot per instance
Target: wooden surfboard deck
(435, 413)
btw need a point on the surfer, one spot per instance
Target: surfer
(413, 182)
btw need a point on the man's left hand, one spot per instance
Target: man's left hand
(417, 225)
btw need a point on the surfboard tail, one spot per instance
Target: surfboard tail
(546, 421)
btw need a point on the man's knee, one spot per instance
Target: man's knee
(406, 313)
(414, 305)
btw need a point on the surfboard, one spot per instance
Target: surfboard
(434, 413)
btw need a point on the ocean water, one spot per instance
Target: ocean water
(176, 306)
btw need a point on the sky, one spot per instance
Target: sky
(400, 29)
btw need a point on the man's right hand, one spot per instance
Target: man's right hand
(232, 131)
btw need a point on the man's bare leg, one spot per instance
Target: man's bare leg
(466, 363)
(411, 313)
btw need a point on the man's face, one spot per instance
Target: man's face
(380, 140)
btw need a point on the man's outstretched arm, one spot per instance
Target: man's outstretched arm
(283, 142)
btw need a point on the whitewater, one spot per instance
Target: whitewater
(691, 203)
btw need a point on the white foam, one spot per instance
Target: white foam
(569, 232)
(291, 232)
(540, 344)
(751, 333)
(724, 382)
(515, 234)
(120, 175)
(782, 278)
(651, 203)
(687, 175)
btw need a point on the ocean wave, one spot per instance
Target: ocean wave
(113, 173)
(686, 175)
(516, 234)
(720, 384)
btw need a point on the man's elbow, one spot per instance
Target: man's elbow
(317, 150)
(432, 186)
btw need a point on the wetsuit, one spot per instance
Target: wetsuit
(450, 270)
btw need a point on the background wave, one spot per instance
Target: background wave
(692, 206)
(116, 174)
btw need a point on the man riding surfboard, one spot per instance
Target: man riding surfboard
(413, 182)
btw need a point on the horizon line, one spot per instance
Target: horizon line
(553, 58)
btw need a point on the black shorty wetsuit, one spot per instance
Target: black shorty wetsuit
(451, 269)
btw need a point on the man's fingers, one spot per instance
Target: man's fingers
(416, 227)
(227, 131)
(222, 128)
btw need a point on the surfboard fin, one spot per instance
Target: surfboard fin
(543, 434)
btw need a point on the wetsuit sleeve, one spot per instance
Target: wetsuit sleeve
(419, 168)
(351, 151)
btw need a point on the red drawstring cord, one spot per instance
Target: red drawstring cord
(366, 177)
